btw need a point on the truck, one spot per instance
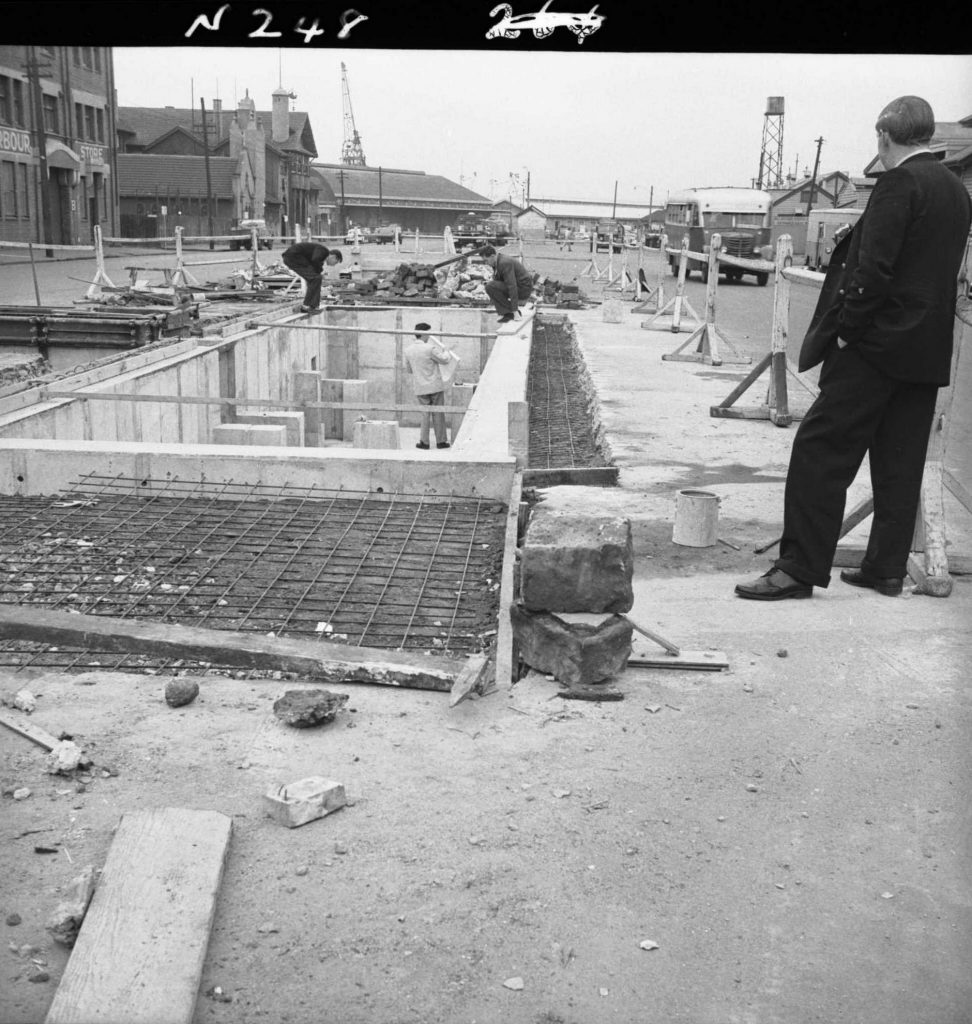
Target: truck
(608, 236)
(822, 224)
(243, 229)
(475, 229)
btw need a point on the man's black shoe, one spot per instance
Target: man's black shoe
(890, 586)
(422, 444)
(443, 444)
(507, 318)
(774, 585)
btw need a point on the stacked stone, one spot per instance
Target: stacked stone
(575, 581)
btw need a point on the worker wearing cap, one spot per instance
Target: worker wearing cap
(512, 283)
(423, 359)
(306, 260)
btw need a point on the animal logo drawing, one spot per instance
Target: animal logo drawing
(543, 22)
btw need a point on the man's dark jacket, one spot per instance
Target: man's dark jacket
(307, 253)
(516, 277)
(891, 286)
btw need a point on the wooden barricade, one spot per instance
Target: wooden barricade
(678, 300)
(776, 405)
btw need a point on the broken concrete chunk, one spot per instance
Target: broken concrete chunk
(304, 708)
(24, 701)
(577, 648)
(577, 563)
(65, 922)
(179, 692)
(303, 801)
(64, 758)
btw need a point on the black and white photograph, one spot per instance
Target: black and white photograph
(486, 514)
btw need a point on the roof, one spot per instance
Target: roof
(961, 157)
(147, 124)
(148, 174)
(325, 194)
(726, 199)
(592, 210)
(950, 138)
(360, 184)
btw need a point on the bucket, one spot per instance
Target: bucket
(612, 311)
(696, 519)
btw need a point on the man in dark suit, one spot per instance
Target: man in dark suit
(306, 260)
(512, 283)
(883, 329)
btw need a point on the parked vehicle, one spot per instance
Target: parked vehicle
(740, 215)
(245, 241)
(474, 229)
(608, 236)
(821, 227)
(386, 233)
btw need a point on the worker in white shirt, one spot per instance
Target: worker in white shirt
(423, 359)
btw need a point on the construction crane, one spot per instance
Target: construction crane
(351, 152)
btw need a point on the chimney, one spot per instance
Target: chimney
(218, 116)
(280, 116)
(245, 109)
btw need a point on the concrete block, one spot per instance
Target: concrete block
(293, 422)
(376, 434)
(354, 391)
(303, 801)
(577, 563)
(577, 648)
(308, 386)
(247, 433)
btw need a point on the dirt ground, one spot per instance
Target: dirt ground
(792, 838)
(793, 847)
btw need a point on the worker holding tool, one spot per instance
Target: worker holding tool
(306, 260)
(512, 283)
(424, 360)
(883, 329)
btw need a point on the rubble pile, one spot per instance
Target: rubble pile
(424, 282)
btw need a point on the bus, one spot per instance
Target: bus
(740, 215)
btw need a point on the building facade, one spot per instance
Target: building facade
(259, 169)
(57, 144)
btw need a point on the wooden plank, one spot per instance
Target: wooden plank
(505, 659)
(336, 663)
(23, 726)
(470, 679)
(139, 955)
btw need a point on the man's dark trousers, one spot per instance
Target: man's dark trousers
(500, 295)
(305, 269)
(887, 419)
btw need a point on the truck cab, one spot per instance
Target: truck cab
(244, 229)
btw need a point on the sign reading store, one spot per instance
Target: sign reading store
(14, 141)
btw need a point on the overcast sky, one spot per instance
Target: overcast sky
(577, 122)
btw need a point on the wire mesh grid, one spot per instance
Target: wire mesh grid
(412, 572)
(561, 431)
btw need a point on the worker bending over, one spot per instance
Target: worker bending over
(306, 260)
(512, 283)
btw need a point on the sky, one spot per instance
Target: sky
(580, 124)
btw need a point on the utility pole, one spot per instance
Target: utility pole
(813, 179)
(209, 180)
(614, 206)
(33, 76)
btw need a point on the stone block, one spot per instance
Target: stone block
(376, 434)
(293, 422)
(577, 563)
(577, 648)
(303, 801)
(246, 433)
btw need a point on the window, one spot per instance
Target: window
(89, 123)
(50, 114)
(76, 51)
(84, 198)
(17, 102)
(8, 190)
(6, 98)
(79, 120)
(97, 58)
(23, 201)
(100, 116)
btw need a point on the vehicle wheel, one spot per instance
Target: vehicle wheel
(761, 279)
(234, 246)
(705, 273)
(674, 265)
(734, 278)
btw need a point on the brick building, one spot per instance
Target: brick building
(259, 168)
(57, 152)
